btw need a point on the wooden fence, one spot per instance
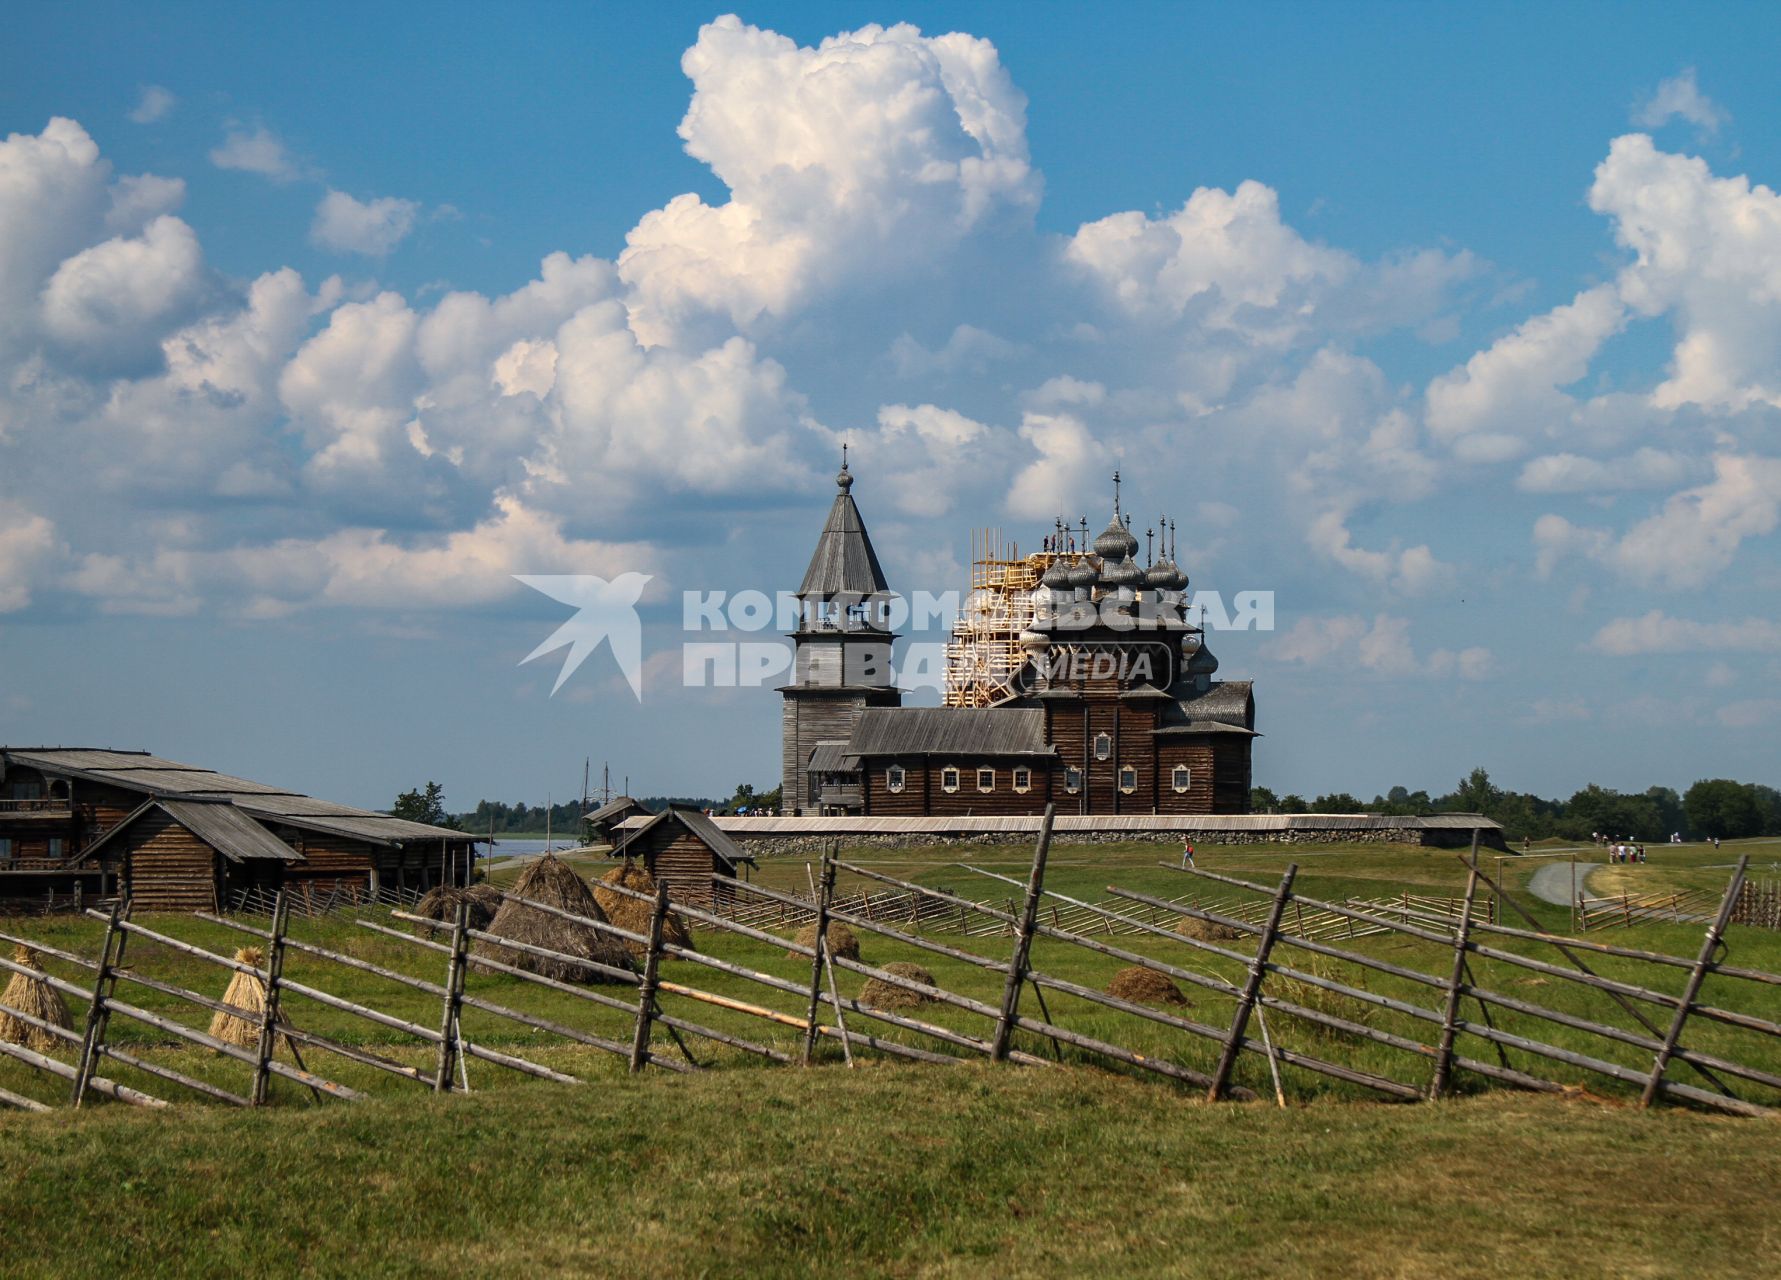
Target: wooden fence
(1271, 959)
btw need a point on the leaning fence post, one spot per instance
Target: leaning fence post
(452, 1002)
(1023, 942)
(269, 1013)
(1696, 976)
(98, 1013)
(821, 949)
(1251, 987)
(1450, 1015)
(646, 991)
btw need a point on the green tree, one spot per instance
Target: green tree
(425, 806)
(1477, 794)
(1719, 808)
(1290, 803)
(1262, 800)
(1337, 802)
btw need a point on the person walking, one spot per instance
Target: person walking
(1187, 854)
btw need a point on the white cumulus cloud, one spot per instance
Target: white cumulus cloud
(371, 227)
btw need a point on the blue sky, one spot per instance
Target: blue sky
(1455, 327)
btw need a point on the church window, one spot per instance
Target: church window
(949, 779)
(894, 778)
(1103, 746)
(1182, 778)
(1072, 779)
(1023, 780)
(986, 779)
(1128, 778)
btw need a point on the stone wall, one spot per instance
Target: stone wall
(768, 846)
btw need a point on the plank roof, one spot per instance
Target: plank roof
(961, 731)
(217, 823)
(844, 563)
(702, 828)
(156, 777)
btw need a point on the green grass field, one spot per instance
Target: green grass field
(910, 1169)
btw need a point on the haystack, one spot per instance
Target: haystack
(552, 882)
(441, 903)
(887, 995)
(245, 992)
(634, 913)
(1208, 931)
(35, 997)
(841, 940)
(1145, 986)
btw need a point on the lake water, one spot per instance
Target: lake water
(529, 848)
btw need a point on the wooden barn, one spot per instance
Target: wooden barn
(683, 849)
(192, 855)
(81, 822)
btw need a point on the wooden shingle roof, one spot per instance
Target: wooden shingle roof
(960, 731)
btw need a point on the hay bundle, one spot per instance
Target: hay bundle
(887, 995)
(1145, 986)
(441, 903)
(634, 913)
(245, 992)
(841, 940)
(35, 997)
(1207, 931)
(552, 882)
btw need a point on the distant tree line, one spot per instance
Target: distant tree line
(1713, 808)
(507, 819)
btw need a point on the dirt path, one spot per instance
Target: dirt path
(1552, 882)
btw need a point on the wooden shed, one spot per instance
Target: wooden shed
(683, 849)
(191, 855)
(602, 824)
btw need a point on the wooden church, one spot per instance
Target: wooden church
(1075, 677)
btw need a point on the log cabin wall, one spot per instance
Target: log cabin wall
(1198, 755)
(331, 861)
(1231, 775)
(924, 794)
(685, 864)
(167, 868)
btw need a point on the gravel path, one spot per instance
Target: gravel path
(1552, 882)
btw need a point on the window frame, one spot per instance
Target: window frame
(1181, 779)
(1103, 746)
(895, 779)
(951, 771)
(57, 846)
(1125, 769)
(7, 849)
(1072, 780)
(983, 773)
(1022, 786)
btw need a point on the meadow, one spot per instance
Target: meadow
(911, 1169)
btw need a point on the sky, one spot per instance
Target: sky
(1457, 328)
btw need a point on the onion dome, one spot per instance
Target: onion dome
(1161, 577)
(1200, 662)
(1177, 576)
(1083, 575)
(1057, 577)
(844, 480)
(1123, 573)
(1115, 541)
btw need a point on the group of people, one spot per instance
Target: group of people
(1626, 853)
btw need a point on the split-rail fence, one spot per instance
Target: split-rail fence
(1270, 952)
